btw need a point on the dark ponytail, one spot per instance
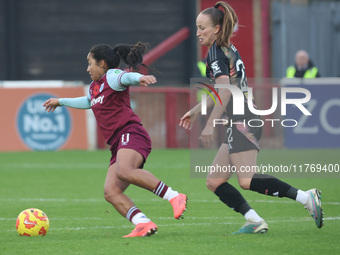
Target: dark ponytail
(132, 55)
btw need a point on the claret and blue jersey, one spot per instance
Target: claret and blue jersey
(109, 99)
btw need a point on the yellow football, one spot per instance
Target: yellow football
(32, 222)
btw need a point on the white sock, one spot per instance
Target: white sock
(170, 194)
(252, 216)
(302, 197)
(140, 218)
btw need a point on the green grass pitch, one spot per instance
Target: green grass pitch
(68, 187)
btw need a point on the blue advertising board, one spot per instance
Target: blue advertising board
(322, 128)
(41, 130)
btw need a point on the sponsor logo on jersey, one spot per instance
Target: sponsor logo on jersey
(216, 69)
(97, 100)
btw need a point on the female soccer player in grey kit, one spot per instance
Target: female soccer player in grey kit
(129, 142)
(224, 65)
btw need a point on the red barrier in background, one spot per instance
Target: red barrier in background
(167, 45)
(160, 110)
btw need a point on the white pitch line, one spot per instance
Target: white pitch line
(185, 224)
(52, 200)
(47, 166)
(158, 218)
(70, 165)
(152, 200)
(58, 218)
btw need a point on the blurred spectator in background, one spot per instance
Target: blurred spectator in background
(303, 67)
(202, 67)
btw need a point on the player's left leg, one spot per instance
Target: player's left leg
(217, 182)
(128, 163)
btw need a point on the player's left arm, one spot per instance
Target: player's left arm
(128, 79)
(146, 80)
(119, 80)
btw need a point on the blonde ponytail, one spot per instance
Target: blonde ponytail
(226, 19)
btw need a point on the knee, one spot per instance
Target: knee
(244, 183)
(124, 173)
(109, 195)
(112, 195)
(210, 185)
(213, 184)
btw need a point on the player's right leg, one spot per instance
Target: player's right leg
(113, 193)
(217, 182)
(271, 186)
(313, 205)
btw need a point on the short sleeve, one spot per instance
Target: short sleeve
(218, 62)
(114, 77)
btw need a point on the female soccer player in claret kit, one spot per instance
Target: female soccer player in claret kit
(130, 144)
(224, 65)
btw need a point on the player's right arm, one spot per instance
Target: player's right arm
(188, 119)
(77, 102)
